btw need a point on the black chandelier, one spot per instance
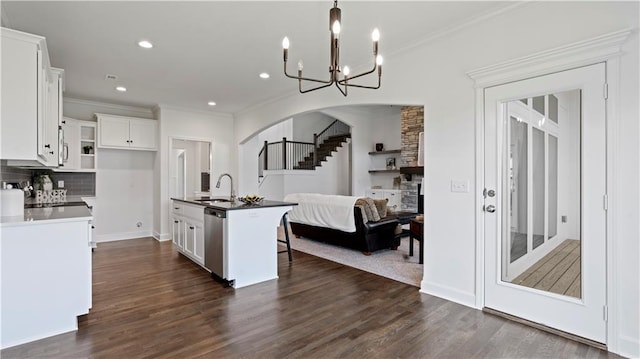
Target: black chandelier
(334, 67)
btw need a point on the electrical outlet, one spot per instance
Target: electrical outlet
(460, 186)
(60, 184)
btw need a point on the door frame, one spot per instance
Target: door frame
(606, 48)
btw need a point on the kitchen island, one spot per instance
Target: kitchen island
(240, 240)
(46, 272)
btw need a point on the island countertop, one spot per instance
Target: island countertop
(219, 203)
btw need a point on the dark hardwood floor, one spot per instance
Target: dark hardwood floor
(150, 302)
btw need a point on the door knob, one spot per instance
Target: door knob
(491, 208)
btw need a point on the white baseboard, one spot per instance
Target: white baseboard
(161, 237)
(629, 347)
(454, 295)
(121, 236)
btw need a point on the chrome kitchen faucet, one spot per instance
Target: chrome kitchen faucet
(232, 197)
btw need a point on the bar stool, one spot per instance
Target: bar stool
(285, 223)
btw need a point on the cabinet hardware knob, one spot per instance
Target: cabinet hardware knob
(51, 152)
(176, 207)
(47, 146)
(190, 227)
(175, 221)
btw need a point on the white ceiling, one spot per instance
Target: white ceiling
(214, 51)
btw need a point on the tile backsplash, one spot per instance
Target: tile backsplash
(76, 183)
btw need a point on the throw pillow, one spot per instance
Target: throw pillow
(369, 208)
(381, 206)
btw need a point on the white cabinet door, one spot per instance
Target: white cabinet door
(71, 148)
(113, 132)
(190, 237)
(374, 193)
(127, 132)
(51, 118)
(198, 251)
(22, 94)
(177, 231)
(142, 134)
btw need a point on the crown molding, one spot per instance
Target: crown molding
(460, 25)
(577, 54)
(139, 110)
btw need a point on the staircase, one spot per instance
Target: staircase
(324, 150)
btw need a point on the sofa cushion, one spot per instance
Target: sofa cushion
(381, 206)
(369, 208)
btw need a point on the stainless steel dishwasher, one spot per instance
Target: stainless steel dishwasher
(214, 242)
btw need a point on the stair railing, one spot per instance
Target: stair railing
(290, 155)
(336, 128)
(283, 155)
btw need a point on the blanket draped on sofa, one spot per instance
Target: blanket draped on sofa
(322, 210)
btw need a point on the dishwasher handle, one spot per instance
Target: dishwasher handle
(215, 212)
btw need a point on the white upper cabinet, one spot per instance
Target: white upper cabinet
(79, 148)
(127, 132)
(30, 102)
(53, 118)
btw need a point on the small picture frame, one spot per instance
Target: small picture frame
(391, 163)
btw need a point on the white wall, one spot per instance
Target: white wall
(305, 125)
(193, 125)
(124, 179)
(433, 74)
(124, 194)
(569, 165)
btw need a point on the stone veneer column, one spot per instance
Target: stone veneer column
(411, 123)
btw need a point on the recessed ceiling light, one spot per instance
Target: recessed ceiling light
(264, 75)
(145, 44)
(211, 103)
(121, 89)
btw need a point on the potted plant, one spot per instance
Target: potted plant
(43, 182)
(87, 149)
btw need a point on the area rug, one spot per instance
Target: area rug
(396, 265)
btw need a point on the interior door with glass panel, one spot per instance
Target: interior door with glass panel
(545, 178)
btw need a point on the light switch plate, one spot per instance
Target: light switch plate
(460, 186)
(60, 184)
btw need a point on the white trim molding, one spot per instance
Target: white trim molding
(581, 53)
(451, 294)
(606, 48)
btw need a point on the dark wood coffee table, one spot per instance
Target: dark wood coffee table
(416, 230)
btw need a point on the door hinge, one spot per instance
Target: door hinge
(605, 202)
(605, 313)
(605, 91)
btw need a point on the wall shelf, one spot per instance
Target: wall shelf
(384, 171)
(387, 152)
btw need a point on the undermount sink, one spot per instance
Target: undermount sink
(213, 200)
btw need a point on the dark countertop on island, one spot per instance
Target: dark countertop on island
(228, 206)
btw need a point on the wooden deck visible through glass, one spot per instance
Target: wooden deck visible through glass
(557, 272)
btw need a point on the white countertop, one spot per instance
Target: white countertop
(48, 215)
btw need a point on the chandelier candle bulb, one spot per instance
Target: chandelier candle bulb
(336, 27)
(285, 50)
(346, 71)
(300, 65)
